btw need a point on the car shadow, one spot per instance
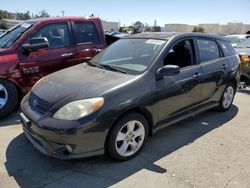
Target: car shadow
(30, 168)
(244, 91)
(10, 120)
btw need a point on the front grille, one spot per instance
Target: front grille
(38, 104)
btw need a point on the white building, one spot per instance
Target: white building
(110, 26)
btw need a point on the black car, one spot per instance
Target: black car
(127, 92)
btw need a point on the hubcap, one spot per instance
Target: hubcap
(228, 96)
(130, 138)
(3, 96)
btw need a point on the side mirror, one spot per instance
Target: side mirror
(36, 44)
(168, 70)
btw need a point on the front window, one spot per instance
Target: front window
(8, 39)
(133, 56)
(57, 35)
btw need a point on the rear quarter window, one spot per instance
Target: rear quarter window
(227, 48)
(208, 50)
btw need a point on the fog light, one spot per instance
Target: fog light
(68, 148)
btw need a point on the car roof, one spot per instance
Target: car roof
(53, 19)
(168, 35)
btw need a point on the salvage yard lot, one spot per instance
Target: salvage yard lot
(211, 150)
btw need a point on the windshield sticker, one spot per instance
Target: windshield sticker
(156, 42)
(26, 25)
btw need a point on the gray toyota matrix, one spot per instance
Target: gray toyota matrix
(135, 87)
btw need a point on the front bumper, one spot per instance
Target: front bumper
(82, 141)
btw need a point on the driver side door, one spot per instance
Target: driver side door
(179, 93)
(34, 65)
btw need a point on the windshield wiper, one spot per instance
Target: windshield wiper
(106, 67)
(112, 68)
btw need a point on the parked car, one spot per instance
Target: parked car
(242, 48)
(135, 87)
(39, 47)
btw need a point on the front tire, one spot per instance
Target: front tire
(128, 137)
(8, 97)
(227, 98)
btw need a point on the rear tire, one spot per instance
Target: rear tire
(128, 137)
(8, 97)
(227, 98)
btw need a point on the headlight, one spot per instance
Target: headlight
(79, 109)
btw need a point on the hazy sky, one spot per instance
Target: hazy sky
(128, 11)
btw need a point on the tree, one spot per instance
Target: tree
(42, 14)
(157, 29)
(198, 29)
(23, 16)
(4, 26)
(138, 27)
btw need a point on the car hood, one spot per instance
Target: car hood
(243, 51)
(78, 82)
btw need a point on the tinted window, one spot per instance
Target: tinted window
(57, 35)
(181, 54)
(86, 33)
(227, 48)
(208, 50)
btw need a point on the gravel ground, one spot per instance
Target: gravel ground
(211, 150)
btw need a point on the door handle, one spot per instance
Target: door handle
(197, 76)
(98, 50)
(67, 54)
(224, 66)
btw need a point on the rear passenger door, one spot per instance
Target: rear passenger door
(87, 40)
(213, 68)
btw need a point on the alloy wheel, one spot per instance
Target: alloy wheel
(228, 96)
(130, 138)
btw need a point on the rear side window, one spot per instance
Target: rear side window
(86, 33)
(208, 50)
(227, 48)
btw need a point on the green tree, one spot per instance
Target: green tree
(157, 29)
(4, 26)
(198, 29)
(138, 27)
(42, 14)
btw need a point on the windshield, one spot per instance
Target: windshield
(240, 41)
(133, 56)
(13, 34)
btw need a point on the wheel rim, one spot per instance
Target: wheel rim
(3, 96)
(130, 138)
(228, 96)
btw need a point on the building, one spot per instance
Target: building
(229, 28)
(110, 26)
(176, 27)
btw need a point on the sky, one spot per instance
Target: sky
(129, 11)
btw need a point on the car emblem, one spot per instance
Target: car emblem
(35, 102)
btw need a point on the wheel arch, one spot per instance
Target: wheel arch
(141, 110)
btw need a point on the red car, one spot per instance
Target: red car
(39, 47)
